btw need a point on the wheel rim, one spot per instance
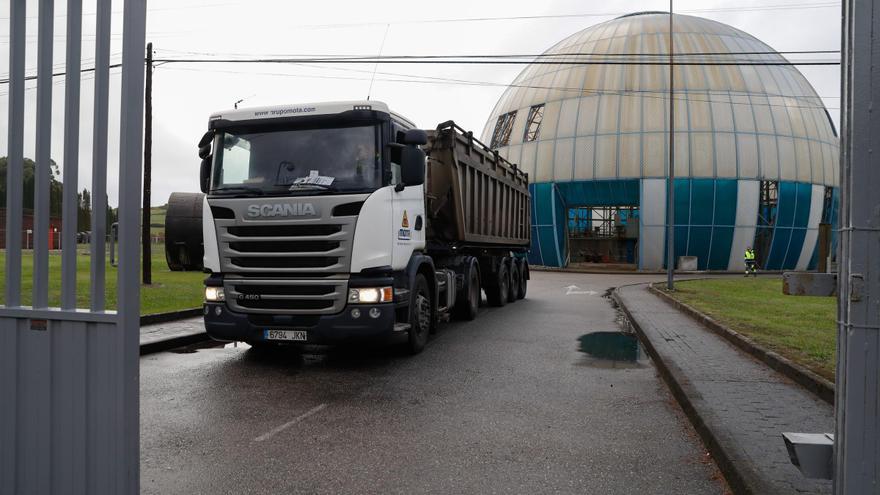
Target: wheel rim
(423, 309)
(505, 285)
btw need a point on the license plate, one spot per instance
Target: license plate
(298, 335)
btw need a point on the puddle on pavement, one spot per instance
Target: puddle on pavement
(612, 350)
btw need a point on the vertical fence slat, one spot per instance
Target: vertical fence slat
(99, 155)
(43, 153)
(128, 282)
(71, 155)
(15, 159)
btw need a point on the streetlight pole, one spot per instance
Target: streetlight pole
(670, 182)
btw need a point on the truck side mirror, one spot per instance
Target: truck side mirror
(415, 137)
(206, 139)
(205, 174)
(412, 165)
(205, 155)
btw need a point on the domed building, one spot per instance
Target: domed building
(756, 153)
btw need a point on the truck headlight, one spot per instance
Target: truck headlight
(214, 294)
(370, 295)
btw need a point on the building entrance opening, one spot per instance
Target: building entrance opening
(607, 235)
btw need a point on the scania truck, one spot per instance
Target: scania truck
(336, 222)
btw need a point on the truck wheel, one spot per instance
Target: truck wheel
(466, 307)
(513, 291)
(497, 293)
(523, 279)
(421, 314)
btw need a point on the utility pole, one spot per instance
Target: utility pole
(146, 258)
(856, 440)
(670, 183)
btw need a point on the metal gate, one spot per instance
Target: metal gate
(69, 376)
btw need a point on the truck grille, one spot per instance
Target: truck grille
(280, 296)
(305, 246)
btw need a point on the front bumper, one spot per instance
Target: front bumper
(338, 328)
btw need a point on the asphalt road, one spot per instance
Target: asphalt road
(504, 404)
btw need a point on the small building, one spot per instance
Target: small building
(27, 226)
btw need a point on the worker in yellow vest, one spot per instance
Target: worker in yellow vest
(750, 262)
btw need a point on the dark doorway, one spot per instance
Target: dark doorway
(604, 235)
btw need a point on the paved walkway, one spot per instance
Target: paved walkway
(745, 404)
(171, 334)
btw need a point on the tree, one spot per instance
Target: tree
(56, 188)
(84, 210)
(28, 183)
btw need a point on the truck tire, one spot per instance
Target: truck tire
(513, 291)
(468, 303)
(421, 315)
(523, 279)
(496, 293)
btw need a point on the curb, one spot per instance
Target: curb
(590, 271)
(171, 342)
(818, 385)
(170, 316)
(736, 479)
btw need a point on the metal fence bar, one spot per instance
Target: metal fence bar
(99, 155)
(69, 208)
(43, 167)
(128, 284)
(15, 160)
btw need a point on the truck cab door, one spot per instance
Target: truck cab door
(408, 219)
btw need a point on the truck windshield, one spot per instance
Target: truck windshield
(279, 162)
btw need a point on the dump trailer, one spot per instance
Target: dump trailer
(337, 222)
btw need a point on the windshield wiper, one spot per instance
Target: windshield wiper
(249, 189)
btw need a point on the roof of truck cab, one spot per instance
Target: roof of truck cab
(320, 108)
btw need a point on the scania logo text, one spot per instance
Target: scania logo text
(282, 210)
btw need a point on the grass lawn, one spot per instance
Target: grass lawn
(801, 328)
(170, 291)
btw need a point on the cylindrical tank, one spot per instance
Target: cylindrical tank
(184, 246)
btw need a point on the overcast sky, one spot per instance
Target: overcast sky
(184, 95)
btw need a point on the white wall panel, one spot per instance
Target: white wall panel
(563, 158)
(652, 224)
(747, 196)
(544, 161)
(817, 201)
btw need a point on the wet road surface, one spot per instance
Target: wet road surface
(517, 401)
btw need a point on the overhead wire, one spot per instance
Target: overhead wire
(487, 60)
(658, 94)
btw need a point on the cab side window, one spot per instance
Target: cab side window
(396, 156)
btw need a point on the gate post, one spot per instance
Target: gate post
(857, 405)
